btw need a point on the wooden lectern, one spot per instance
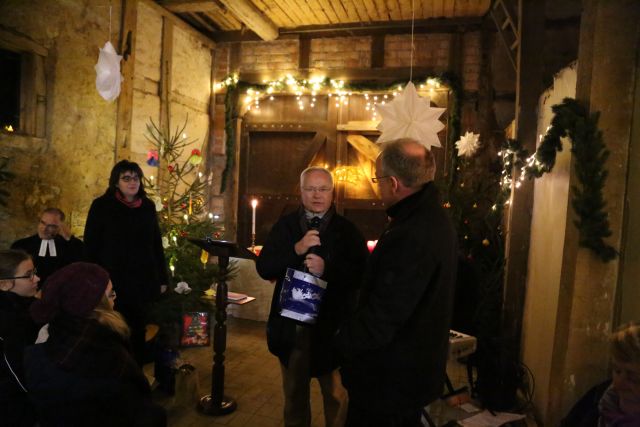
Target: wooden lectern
(217, 403)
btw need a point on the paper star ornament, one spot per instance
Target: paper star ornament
(468, 144)
(108, 77)
(410, 116)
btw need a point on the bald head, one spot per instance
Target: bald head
(409, 161)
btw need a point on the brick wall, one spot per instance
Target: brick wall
(431, 50)
(471, 61)
(340, 53)
(279, 57)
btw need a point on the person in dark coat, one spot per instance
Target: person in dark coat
(328, 246)
(53, 246)
(18, 285)
(395, 345)
(123, 236)
(84, 373)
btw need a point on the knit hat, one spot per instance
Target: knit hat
(75, 289)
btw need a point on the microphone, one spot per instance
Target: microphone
(314, 224)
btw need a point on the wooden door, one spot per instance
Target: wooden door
(280, 140)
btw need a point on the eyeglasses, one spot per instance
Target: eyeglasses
(127, 178)
(111, 295)
(320, 190)
(376, 179)
(29, 276)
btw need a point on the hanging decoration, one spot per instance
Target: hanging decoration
(410, 116)
(108, 77)
(152, 158)
(468, 144)
(196, 157)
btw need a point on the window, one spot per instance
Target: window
(23, 86)
(10, 72)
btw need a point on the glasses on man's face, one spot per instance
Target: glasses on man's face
(30, 275)
(111, 295)
(321, 190)
(128, 178)
(377, 179)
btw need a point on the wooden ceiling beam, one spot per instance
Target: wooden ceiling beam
(253, 18)
(423, 26)
(184, 6)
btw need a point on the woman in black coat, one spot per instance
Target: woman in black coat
(84, 373)
(122, 235)
(18, 285)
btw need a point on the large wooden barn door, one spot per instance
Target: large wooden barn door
(280, 140)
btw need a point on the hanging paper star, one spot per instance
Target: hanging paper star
(108, 77)
(468, 144)
(410, 116)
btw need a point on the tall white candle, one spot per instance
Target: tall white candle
(254, 203)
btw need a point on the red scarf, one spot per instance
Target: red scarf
(136, 203)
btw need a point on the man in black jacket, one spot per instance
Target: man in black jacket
(395, 345)
(330, 247)
(53, 246)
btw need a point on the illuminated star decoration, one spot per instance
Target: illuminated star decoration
(108, 77)
(410, 116)
(468, 144)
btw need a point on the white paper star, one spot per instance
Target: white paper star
(468, 144)
(410, 116)
(108, 77)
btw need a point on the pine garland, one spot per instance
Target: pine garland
(571, 119)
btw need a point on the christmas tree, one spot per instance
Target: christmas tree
(179, 193)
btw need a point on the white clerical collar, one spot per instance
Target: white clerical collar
(43, 248)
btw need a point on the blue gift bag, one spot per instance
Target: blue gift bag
(301, 296)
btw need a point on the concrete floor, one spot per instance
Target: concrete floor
(253, 379)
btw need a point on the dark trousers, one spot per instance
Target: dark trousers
(136, 316)
(366, 417)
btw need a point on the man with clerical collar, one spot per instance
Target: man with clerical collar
(318, 240)
(53, 246)
(395, 344)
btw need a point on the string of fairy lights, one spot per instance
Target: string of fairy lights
(307, 91)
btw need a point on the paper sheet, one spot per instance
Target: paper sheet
(486, 419)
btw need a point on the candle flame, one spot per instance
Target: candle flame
(254, 203)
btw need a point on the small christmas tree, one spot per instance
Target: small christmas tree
(179, 194)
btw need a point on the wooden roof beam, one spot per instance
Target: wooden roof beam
(182, 6)
(253, 18)
(423, 26)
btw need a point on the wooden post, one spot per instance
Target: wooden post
(125, 100)
(217, 403)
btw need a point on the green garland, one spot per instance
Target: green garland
(571, 119)
(234, 86)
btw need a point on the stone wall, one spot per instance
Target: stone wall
(70, 166)
(66, 167)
